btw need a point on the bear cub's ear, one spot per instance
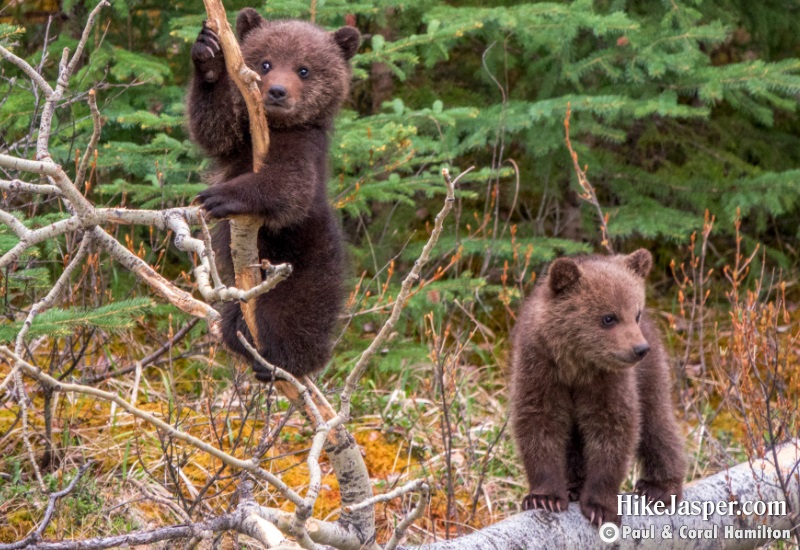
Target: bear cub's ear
(640, 262)
(563, 274)
(247, 20)
(348, 39)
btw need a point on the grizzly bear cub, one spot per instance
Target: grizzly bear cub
(305, 77)
(590, 389)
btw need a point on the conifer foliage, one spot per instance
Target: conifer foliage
(678, 107)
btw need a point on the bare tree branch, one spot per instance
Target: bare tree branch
(32, 73)
(36, 536)
(756, 481)
(416, 513)
(246, 465)
(92, 146)
(243, 229)
(65, 70)
(411, 278)
(588, 194)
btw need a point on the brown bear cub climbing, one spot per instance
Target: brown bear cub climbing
(590, 389)
(305, 77)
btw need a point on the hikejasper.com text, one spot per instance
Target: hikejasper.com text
(635, 505)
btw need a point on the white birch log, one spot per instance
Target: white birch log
(759, 481)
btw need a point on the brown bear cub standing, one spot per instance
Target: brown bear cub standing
(590, 389)
(305, 77)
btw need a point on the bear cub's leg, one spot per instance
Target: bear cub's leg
(660, 449)
(607, 417)
(576, 466)
(541, 423)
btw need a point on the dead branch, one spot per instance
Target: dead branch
(588, 194)
(246, 465)
(244, 519)
(244, 245)
(36, 536)
(92, 147)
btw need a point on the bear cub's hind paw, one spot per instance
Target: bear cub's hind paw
(658, 491)
(598, 512)
(551, 503)
(263, 374)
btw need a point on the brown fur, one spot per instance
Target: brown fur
(583, 403)
(296, 319)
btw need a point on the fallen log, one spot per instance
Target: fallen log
(773, 480)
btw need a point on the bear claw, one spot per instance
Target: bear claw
(551, 503)
(656, 492)
(598, 514)
(204, 54)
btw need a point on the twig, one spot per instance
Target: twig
(16, 185)
(47, 302)
(36, 536)
(65, 70)
(246, 465)
(408, 521)
(405, 289)
(177, 510)
(588, 194)
(278, 372)
(400, 491)
(38, 79)
(215, 278)
(145, 361)
(97, 124)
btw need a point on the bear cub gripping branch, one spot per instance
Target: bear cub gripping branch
(305, 77)
(590, 389)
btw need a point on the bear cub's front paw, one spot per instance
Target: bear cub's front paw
(541, 501)
(658, 491)
(207, 55)
(221, 202)
(600, 510)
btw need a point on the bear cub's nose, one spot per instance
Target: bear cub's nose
(641, 350)
(277, 93)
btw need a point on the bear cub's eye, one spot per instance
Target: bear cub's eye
(303, 72)
(266, 66)
(638, 316)
(609, 320)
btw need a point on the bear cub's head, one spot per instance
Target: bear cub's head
(598, 304)
(304, 70)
